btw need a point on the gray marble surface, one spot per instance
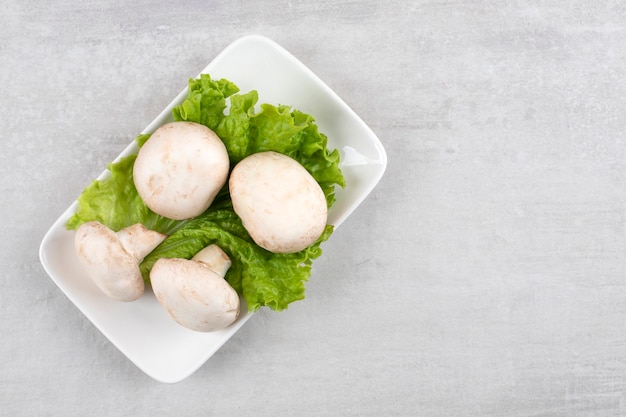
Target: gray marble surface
(484, 276)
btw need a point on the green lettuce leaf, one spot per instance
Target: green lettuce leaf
(206, 101)
(261, 277)
(234, 129)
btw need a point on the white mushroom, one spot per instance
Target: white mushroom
(194, 292)
(280, 204)
(112, 259)
(180, 169)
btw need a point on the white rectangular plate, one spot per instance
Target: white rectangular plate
(141, 330)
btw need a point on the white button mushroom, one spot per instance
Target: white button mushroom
(194, 292)
(112, 259)
(280, 204)
(180, 169)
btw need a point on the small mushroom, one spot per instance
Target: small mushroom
(194, 292)
(112, 259)
(180, 169)
(280, 204)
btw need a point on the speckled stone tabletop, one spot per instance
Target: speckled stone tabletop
(484, 276)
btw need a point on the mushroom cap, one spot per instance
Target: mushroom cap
(112, 268)
(195, 296)
(280, 204)
(180, 169)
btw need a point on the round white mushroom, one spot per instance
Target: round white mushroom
(112, 259)
(280, 204)
(194, 292)
(180, 169)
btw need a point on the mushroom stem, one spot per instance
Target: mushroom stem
(214, 258)
(139, 241)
